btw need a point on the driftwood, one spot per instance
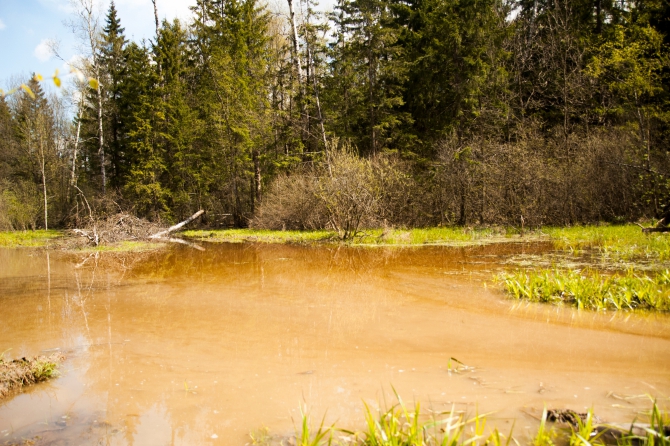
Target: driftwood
(654, 228)
(178, 225)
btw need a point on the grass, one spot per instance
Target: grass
(591, 290)
(401, 425)
(31, 239)
(448, 236)
(616, 243)
(25, 371)
(260, 235)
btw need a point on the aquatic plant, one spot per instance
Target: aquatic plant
(590, 289)
(25, 371)
(585, 434)
(400, 425)
(545, 436)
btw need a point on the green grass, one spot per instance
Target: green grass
(260, 235)
(449, 236)
(32, 239)
(401, 425)
(616, 243)
(590, 289)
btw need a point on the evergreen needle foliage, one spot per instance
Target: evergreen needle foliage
(383, 113)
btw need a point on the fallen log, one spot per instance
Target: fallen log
(163, 234)
(654, 228)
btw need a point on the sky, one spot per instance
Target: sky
(27, 25)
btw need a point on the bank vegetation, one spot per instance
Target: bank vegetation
(378, 114)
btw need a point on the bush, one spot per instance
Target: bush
(346, 195)
(20, 206)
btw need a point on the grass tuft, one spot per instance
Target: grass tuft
(25, 371)
(591, 290)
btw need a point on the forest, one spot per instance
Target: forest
(381, 113)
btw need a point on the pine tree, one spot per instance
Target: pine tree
(113, 70)
(375, 70)
(140, 107)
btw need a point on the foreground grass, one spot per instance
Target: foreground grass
(32, 239)
(591, 290)
(25, 371)
(401, 425)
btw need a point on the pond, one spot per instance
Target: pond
(180, 346)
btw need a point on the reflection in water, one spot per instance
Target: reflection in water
(186, 347)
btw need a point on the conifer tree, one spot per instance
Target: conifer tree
(113, 70)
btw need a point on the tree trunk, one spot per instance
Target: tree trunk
(296, 54)
(155, 15)
(73, 178)
(101, 147)
(44, 182)
(257, 176)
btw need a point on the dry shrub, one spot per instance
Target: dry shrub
(537, 180)
(25, 371)
(346, 194)
(292, 203)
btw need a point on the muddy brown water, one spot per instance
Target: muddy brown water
(186, 347)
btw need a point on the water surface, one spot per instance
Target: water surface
(186, 347)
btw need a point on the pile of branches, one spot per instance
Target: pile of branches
(25, 371)
(126, 227)
(116, 228)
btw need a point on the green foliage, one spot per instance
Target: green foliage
(626, 242)
(591, 290)
(584, 434)
(545, 436)
(32, 239)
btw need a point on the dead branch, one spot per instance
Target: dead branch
(162, 234)
(654, 229)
